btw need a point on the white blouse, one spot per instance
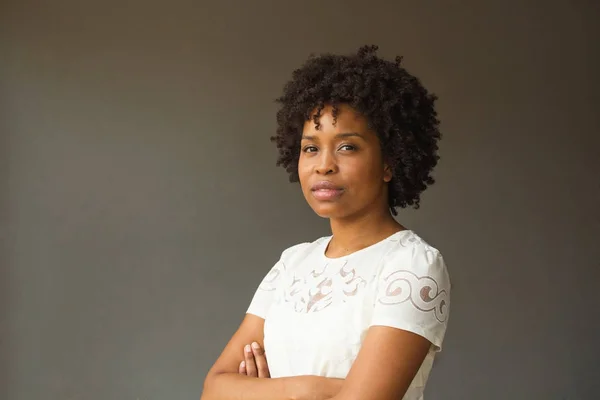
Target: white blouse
(318, 310)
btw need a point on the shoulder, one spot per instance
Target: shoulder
(414, 264)
(300, 251)
(414, 288)
(411, 252)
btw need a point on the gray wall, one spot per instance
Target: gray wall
(140, 205)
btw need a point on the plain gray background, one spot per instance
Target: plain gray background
(140, 204)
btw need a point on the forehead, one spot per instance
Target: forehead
(347, 120)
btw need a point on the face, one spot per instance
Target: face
(341, 168)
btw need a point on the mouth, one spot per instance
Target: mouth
(326, 190)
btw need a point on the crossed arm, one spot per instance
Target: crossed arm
(386, 365)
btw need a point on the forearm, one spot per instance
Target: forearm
(233, 386)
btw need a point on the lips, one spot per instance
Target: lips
(326, 190)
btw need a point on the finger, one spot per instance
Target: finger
(250, 363)
(242, 368)
(261, 361)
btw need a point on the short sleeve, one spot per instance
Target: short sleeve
(264, 295)
(413, 293)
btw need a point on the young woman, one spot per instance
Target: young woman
(359, 314)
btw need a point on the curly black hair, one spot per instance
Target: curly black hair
(394, 102)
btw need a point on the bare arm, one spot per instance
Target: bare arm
(223, 381)
(386, 365)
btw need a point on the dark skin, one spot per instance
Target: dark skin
(347, 156)
(255, 362)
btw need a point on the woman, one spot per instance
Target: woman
(359, 314)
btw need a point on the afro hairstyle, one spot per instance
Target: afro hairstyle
(395, 104)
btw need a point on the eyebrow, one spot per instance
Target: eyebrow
(337, 136)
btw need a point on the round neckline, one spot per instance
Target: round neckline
(364, 249)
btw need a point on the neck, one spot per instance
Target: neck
(353, 234)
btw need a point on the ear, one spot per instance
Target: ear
(387, 173)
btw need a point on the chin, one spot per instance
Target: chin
(329, 210)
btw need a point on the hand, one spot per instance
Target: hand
(255, 362)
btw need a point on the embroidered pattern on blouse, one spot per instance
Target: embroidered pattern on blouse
(411, 240)
(322, 287)
(269, 283)
(423, 292)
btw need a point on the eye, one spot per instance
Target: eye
(309, 149)
(347, 147)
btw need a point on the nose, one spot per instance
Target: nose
(326, 164)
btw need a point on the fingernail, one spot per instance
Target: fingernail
(243, 364)
(248, 349)
(255, 345)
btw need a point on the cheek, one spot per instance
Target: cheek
(365, 174)
(366, 182)
(303, 171)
